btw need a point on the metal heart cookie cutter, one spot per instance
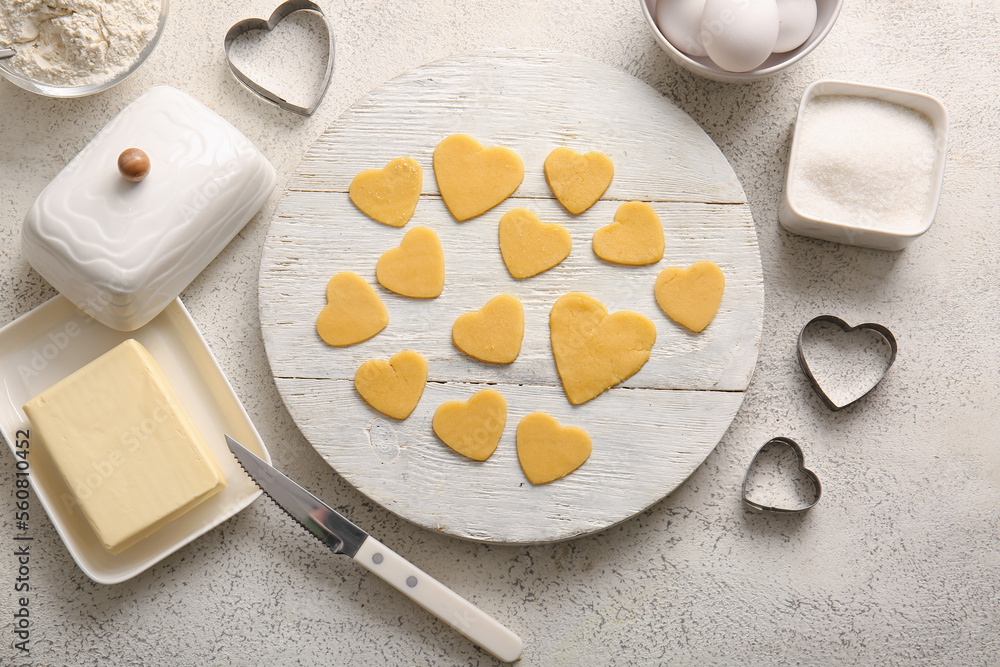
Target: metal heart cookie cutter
(801, 459)
(277, 16)
(846, 328)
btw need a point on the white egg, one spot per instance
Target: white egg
(739, 35)
(680, 23)
(796, 20)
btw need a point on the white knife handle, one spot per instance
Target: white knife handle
(440, 600)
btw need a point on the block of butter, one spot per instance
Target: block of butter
(125, 446)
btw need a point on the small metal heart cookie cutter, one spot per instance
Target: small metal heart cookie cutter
(846, 328)
(800, 457)
(279, 14)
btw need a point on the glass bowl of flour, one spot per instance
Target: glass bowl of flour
(72, 48)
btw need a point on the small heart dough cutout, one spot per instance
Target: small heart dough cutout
(593, 350)
(416, 267)
(473, 179)
(393, 387)
(494, 332)
(389, 195)
(691, 296)
(634, 238)
(548, 450)
(353, 312)
(530, 246)
(473, 427)
(578, 181)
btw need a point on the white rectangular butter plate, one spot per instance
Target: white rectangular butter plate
(55, 339)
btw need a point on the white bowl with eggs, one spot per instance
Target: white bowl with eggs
(736, 41)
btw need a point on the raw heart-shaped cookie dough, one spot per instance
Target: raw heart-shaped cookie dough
(473, 427)
(393, 387)
(548, 450)
(530, 246)
(389, 195)
(593, 350)
(473, 179)
(578, 181)
(353, 311)
(416, 267)
(691, 296)
(635, 237)
(494, 332)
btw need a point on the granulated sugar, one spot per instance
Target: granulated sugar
(863, 161)
(76, 42)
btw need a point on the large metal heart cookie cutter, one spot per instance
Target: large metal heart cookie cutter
(277, 17)
(846, 328)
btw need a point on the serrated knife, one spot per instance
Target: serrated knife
(343, 537)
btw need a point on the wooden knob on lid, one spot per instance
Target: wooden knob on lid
(133, 164)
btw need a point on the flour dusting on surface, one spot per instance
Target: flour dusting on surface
(76, 42)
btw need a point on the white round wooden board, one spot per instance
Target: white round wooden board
(650, 432)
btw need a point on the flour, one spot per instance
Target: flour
(76, 42)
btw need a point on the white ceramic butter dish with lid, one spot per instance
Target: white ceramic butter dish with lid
(122, 250)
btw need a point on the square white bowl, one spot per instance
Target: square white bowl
(45, 345)
(795, 221)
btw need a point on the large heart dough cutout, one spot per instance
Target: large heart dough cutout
(494, 332)
(547, 450)
(473, 427)
(389, 195)
(416, 267)
(691, 296)
(473, 179)
(635, 237)
(593, 350)
(353, 312)
(578, 181)
(393, 387)
(530, 246)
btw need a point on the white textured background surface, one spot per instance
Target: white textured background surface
(898, 564)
